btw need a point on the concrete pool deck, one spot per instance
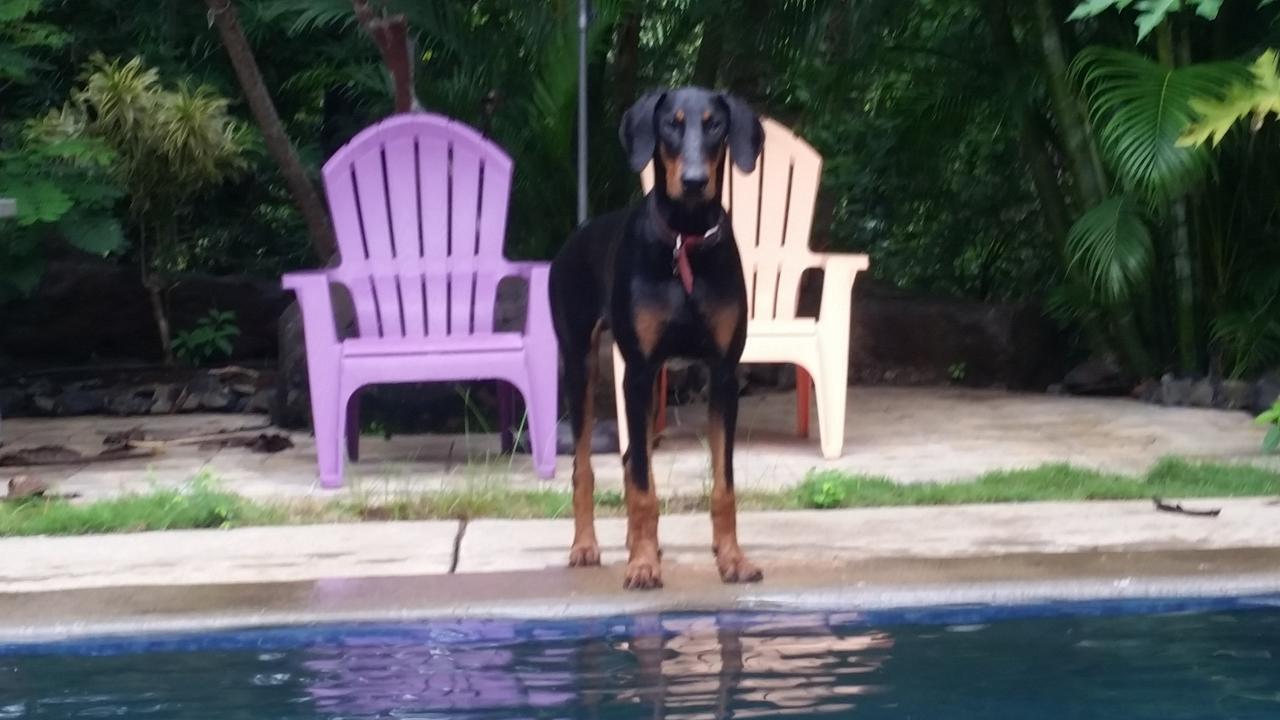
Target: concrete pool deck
(887, 557)
(853, 559)
(905, 434)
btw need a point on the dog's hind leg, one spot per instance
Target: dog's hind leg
(580, 373)
(722, 423)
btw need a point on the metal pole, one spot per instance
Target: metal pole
(584, 20)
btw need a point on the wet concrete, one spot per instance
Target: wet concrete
(556, 593)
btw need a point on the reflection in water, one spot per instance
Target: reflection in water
(1207, 666)
(672, 667)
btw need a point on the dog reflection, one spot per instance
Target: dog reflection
(673, 668)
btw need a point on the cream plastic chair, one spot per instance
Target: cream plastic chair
(772, 214)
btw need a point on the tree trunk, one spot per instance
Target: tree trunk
(153, 286)
(1033, 137)
(626, 65)
(1183, 282)
(1077, 136)
(391, 35)
(1033, 133)
(304, 194)
(706, 65)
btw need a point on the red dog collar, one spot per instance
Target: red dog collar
(682, 243)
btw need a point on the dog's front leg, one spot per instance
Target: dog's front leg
(644, 571)
(722, 423)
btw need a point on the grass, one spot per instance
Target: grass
(1169, 478)
(203, 504)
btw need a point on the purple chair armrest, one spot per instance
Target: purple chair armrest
(538, 321)
(312, 289)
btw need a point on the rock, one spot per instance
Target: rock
(81, 402)
(243, 388)
(44, 404)
(1265, 392)
(189, 402)
(1056, 389)
(1097, 376)
(260, 401)
(216, 400)
(1148, 391)
(165, 396)
(135, 401)
(1175, 392)
(1203, 393)
(204, 383)
(1236, 395)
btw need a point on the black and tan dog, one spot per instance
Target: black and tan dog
(665, 276)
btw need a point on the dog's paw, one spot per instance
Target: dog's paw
(584, 555)
(643, 574)
(736, 568)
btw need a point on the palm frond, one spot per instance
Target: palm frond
(303, 16)
(1110, 247)
(1141, 108)
(1248, 340)
(1259, 96)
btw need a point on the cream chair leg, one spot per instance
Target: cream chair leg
(832, 385)
(619, 368)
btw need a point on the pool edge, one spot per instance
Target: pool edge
(1005, 581)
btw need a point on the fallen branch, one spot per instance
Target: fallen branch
(138, 437)
(60, 455)
(1177, 508)
(263, 443)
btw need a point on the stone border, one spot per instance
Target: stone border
(885, 584)
(8, 208)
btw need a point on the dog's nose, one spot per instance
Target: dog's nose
(694, 183)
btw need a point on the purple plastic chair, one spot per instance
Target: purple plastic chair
(419, 205)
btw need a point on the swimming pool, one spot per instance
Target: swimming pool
(1167, 660)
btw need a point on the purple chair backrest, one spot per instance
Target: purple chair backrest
(419, 205)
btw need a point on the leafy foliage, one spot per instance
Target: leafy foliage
(1140, 108)
(1216, 114)
(211, 337)
(21, 37)
(1111, 246)
(62, 188)
(1150, 12)
(1271, 418)
(170, 143)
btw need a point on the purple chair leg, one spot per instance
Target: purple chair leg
(327, 420)
(542, 403)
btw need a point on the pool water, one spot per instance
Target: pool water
(1170, 661)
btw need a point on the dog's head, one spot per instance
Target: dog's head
(685, 133)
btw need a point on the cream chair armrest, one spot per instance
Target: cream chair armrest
(838, 273)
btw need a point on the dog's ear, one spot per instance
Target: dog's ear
(638, 131)
(746, 134)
